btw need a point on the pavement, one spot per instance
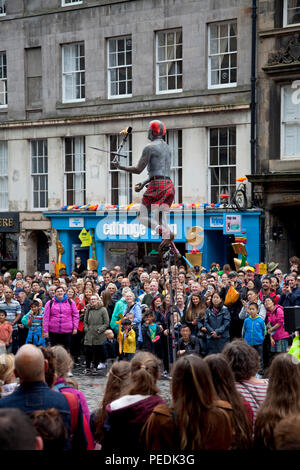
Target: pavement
(93, 386)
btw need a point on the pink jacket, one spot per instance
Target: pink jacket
(63, 318)
(277, 317)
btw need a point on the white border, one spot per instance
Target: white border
(221, 85)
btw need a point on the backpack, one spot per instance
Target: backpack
(51, 302)
(74, 412)
(74, 409)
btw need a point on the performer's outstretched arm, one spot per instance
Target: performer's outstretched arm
(141, 165)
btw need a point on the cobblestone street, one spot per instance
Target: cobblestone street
(93, 387)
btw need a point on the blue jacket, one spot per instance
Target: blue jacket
(33, 396)
(254, 330)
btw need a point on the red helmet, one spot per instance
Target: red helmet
(158, 128)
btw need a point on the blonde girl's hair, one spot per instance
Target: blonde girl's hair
(144, 371)
(7, 365)
(63, 361)
(118, 378)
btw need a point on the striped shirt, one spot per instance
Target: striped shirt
(253, 392)
(12, 310)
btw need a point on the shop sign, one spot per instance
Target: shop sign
(9, 222)
(216, 221)
(85, 238)
(124, 231)
(233, 223)
(76, 222)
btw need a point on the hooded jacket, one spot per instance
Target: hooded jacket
(96, 321)
(61, 317)
(126, 417)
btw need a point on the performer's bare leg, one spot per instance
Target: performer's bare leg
(158, 222)
(157, 219)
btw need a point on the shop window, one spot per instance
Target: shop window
(120, 182)
(222, 54)
(75, 170)
(39, 174)
(174, 139)
(290, 123)
(3, 80)
(2, 7)
(222, 162)
(8, 248)
(73, 73)
(169, 61)
(3, 176)
(291, 12)
(119, 61)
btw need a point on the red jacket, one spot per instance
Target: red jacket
(272, 294)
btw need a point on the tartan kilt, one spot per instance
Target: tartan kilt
(160, 191)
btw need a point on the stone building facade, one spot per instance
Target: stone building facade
(75, 73)
(276, 179)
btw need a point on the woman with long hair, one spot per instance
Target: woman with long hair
(127, 415)
(196, 419)
(216, 323)
(194, 310)
(244, 363)
(156, 306)
(118, 379)
(223, 380)
(282, 399)
(164, 320)
(89, 284)
(107, 302)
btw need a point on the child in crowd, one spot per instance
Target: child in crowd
(7, 375)
(5, 331)
(254, 331)
(128, 340)
(134, 325)
(187, 344)
(150, 333)
(34, 321)
(110, 348)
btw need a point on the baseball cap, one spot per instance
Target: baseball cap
(104, 268)
(17, 291)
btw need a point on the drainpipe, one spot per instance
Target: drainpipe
(253, 84)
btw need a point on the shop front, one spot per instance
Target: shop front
(121, 240)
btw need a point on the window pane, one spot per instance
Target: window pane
(214, 137)
(223, 156)
(214, 156)
(223, 136)
(214, 176)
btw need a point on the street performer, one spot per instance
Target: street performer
(160, 188)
